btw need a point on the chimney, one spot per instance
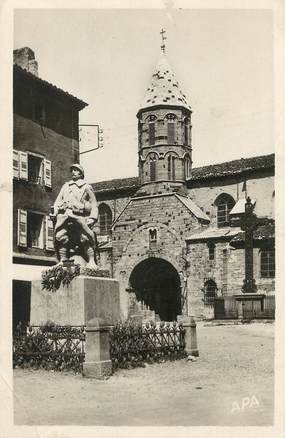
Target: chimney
(25, 58)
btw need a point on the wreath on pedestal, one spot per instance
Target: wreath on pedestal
(59, 275)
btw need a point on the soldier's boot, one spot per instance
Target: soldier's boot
(91, 259)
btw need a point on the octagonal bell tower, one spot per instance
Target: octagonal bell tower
(164, 133)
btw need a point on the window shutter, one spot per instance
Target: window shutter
(16, 164)
(23, 165)
(22, 228)
(49, 234)
(47, 173)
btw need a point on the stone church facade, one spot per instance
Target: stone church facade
(172, 235)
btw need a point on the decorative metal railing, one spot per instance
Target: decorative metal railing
(50, 347)
(133, 345)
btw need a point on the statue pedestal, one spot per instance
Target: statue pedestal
(88, 301)
(84, 299)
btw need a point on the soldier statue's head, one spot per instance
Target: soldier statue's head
(77, 171)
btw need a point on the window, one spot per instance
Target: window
(152, 235)
(152, 165)
(187, 166)
(105, 219)
(186, 131)
(35, 230)
(224, 204)
(31, 167)
(267, 263)
(170, 132)
(170, 118)
(212, 250)
(151, 133)
(152, 232)
(210, 292)
(171, 167)
(151, 129)
(35, 169)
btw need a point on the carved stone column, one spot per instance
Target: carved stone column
(248, 225)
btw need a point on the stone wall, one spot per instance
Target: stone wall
(131, 244)
(116, 204)
(227, 270)
(29, 136)
(260, 189)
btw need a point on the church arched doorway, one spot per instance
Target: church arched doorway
(156, 283)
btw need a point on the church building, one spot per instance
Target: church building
(172, 235)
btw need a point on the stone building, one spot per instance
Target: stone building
(45, 144)
(172, 235)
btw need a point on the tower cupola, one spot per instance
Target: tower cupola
(164, 131)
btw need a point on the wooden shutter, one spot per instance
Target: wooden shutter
(22, 228)
(23, 165)
(16, 164)
(49, 234)
(47, 173)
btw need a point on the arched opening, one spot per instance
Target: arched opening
(224, 204)
(187, 166)
(171, 120)
(151, 129)
(105, 219)
(210, 292)
(171, 167)
(156, 283)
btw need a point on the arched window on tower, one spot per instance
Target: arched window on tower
(224, 204)
(210, 292)
(186, 131)
(151, 129)
(187, 166)
(152, 166)
(105, 219)
(171, 167)
(171, 118)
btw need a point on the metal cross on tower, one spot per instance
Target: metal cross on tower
(163, 38)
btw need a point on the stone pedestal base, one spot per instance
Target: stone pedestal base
(97, 370)
(87, 301)
(84, 299)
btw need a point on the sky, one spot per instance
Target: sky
(223, 60)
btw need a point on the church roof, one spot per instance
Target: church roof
(116, 184)
(164, 88)
(193, 207)
(263, 232)
(226, 169)
(214, 233)
(231, 168)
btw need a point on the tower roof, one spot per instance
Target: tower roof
(164, 88)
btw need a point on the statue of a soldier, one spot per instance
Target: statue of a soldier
(75, 213)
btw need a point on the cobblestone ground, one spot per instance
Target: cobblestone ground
(231, 383)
